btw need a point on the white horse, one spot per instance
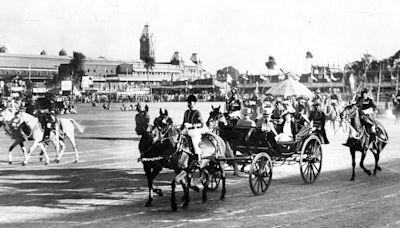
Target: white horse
(64, 127)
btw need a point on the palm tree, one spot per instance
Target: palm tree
(77, 67)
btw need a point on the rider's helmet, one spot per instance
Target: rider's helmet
(191, 97)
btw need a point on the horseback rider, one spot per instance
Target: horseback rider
(317, 118)
(47, 119)
(194, 124)
(235, 105)
(367, 107)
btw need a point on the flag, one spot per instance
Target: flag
(228, 78)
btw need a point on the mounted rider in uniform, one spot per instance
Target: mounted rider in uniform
(194, 124)
(47, 119)
(317, 118)
(367, 107)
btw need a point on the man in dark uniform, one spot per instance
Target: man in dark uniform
(194, 124)
(47, 119)
(234, 106)
(317, 118)
(367, 107)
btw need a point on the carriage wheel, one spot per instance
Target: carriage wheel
(311, 159)
(260, 173)
(215, 179)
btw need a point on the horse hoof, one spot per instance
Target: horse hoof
(379, 168)
(46, 163)
(10, 163)
(222, 198)
(76, 161)
(174, 207)
(148, 204)
(40, 159)
(57, 161)
(23, 163)
(185, 206)
(368, 172)
(352, 179)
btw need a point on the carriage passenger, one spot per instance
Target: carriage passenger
(277, 116)
(267, 126)
(194, 124)
(317, 118)
(246, 121)
(288, 131)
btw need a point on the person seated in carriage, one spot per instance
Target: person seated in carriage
(367, 107)
(317, 120)
(300, 117)
(277, 115)
(193, 125)
(289, 129)
(265, 125)
(234, 105)
(246, 121)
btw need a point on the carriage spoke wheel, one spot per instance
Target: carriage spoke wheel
(311, 159)
(215, 179)
(260, 173)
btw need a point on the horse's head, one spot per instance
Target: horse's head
(349, 112)
(215, 116)
(163, 125)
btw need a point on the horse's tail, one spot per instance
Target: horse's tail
(80, 128)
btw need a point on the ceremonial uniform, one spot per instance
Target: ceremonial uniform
(318, 119)
(367, 107)
(194, 124)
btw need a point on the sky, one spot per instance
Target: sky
(242, 34)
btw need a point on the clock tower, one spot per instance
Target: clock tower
(147, 45)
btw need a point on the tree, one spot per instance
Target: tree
(77, 67)
(309, 55)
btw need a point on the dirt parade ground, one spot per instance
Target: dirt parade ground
(108, 188)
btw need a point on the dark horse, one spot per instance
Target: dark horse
(361, 141)
(165, 146)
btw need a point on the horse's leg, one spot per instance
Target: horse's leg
(231, 154)
(156, 171)
(363, 154)
(27, 155)
(46, 156)
(72, 139)
(149, 175)
(186, 198)
(62, 144)
(206, 180)
(353, 163)
(173, 200)
(10, 158)
(223, 177)
(376, 155)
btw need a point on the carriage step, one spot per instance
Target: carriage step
(235, 158)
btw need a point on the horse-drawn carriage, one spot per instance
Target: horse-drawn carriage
(254, 147)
